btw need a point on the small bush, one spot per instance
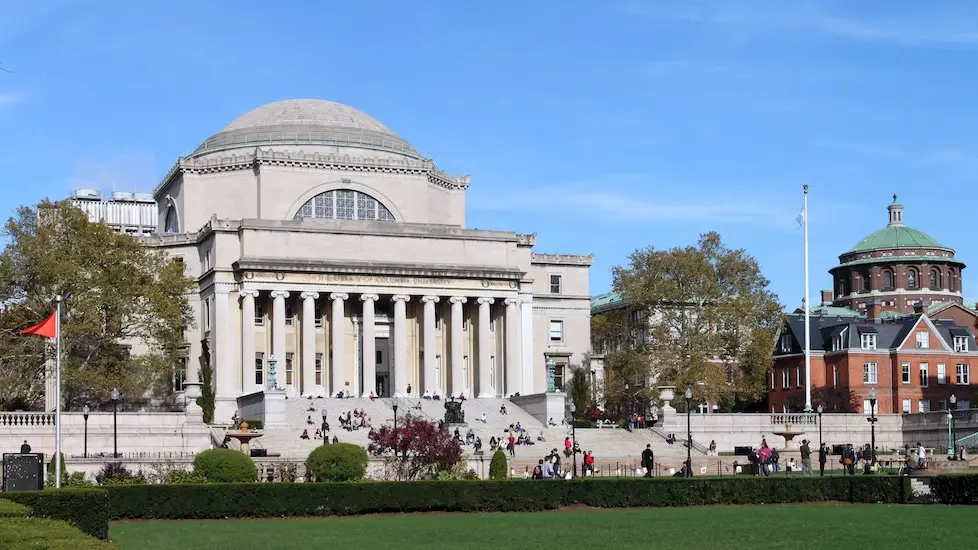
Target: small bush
(337, 462)
(184, 477)
(46, 533)
(86, 509)
(498, 466)
(10, 509)
(114, 473)
(50, 477)
(225, 466)
(583, 423)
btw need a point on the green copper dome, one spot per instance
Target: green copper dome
(896, 235)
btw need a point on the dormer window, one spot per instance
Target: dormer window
(785, 343)
(960, 344)
(867, 340)
(839, 342)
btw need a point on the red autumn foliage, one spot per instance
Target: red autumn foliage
(416, 449)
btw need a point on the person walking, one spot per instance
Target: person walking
(823, 457)
(648, 460)
(806, 458)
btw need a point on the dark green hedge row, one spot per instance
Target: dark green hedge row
(86, 509)
(214, 501)
(955, 488)
(46, 533)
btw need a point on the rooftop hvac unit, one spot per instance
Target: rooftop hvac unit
(122, 196)
(143, 197)
(87, 194)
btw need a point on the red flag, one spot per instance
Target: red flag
(47, 327)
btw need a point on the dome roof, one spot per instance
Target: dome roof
(896, 235)
(306, 122)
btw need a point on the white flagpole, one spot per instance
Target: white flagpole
(808, 336)
(57, 407)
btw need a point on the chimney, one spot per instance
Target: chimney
(826, 297)
(918, 307)
(873, 309)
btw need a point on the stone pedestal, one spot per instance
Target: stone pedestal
(193, 411)
(667, 394)
(275, 409)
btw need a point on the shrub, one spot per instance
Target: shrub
(46, 533)
(254, 423)
(114, 473)
(183, 477)
(498, 466)
(955, 488)
(583, 423)
(225, 466)
(215, 501)
(337, 462)
(207, 398)
(87, 509)
(49, 478)
(10, 509)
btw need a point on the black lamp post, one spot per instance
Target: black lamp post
(820, 409)
(322, 429)
(115, 423)
(85, 411)
(573, 409)
(689, 433)
(872, 425)
(954, 428)
(394, 406)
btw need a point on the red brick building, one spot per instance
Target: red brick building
(895, 320)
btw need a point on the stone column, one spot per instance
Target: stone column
(485, 369)
(458, 345)
(308, 344)
(221, 354)
(430, 382)
(369, 344)
(512, 345)
(338, 325)
(278, 333)
(400, 345)
(526, 345)
(248, 340)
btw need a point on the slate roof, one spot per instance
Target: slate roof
(605, 302)
(889, 333)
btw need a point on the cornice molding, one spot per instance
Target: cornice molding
(375, 268)
(562, 259)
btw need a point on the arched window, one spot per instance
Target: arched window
(344, 204)
(170, 222)
(866, 281)
(935, 279)
(887, 279)
(913, 280)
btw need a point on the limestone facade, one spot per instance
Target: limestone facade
(326, 247)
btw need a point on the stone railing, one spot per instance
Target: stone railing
(796, 419)
(26, 419)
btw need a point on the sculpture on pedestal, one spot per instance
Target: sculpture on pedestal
(453, 412)
(272, 381)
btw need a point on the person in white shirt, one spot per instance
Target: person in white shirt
(921, 455)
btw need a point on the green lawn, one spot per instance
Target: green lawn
(794, 527)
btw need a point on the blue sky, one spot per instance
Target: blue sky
(602, 126)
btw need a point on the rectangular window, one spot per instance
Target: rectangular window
(907, 406)
(179, 374)
(960, 344)
(559, 376)
(319, 369)
(867, 340)
(289, 368)
(923, 339)
(557, 331)
(835, 375)
(785, 383)
(785, 343)
(942, 405)
(380, 357)
(319, 314)
(905, 373)
(923, 405)
(555, 284)
(289, 314)
(924, 375)
(962, 375)
(866, 407)
(941, 374)
(259, 368)
(259, 311)
(798, 376)
(772, 379)
(869, 373)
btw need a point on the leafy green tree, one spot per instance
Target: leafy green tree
(708, 320)
(498, 466)
(579, 389)
(124, 296)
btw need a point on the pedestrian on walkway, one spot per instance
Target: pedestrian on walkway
(806, 458)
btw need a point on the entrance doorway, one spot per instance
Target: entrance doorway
(383, 367)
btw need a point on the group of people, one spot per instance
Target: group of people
(549, 467)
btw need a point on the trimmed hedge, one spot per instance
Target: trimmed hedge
(215, 501)
(225, 466)
(86, 509)
(499, 465)
(337, 462)
(10, 509)
(46, 533)
(955, 488)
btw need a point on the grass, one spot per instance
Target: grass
(729, 528)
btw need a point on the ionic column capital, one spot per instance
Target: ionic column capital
(247, 293)
(432, 299)
(485, 301)
(512, 301)
(279, 294)
(370, 297)
(339, 296)
(309, 295)
(400, 298)
(458, 299)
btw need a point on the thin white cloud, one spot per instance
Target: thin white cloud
(11, 98)
(954, 157)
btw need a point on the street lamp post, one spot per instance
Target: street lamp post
(820, 410)
(689, 433)
(954, 428)
(322, 429)
(85, 411)
(573, 409)
(950, 443)
(872, 425)
(394, 406)
(115, 422)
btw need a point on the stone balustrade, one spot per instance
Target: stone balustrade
(26, 419)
